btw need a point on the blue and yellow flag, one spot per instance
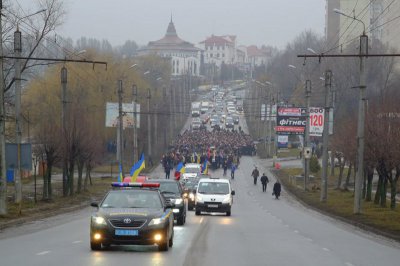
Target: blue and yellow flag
(180, 168)
(120, 176)
(137, 167)
(204, 168)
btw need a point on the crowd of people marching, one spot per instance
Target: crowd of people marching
(221, 148)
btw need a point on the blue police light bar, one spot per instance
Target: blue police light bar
(134, 184)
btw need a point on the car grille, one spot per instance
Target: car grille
(121, 223)
(212, 202)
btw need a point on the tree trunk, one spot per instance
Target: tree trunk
(80, 173)
(370, 176)
(333, 163)
(378, 189)
(393, 192)
(341, 169)
(45, 195)
(346, 184)
(383, 193)
(364, 189)
(49, 187)
(71, 178)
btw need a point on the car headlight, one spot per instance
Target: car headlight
(226, 200)
(178, 201)
(191, 196)
(99, 220)
(199, 198)
(156, 221)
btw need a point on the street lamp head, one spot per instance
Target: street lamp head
(338, 11)
(81, 52)
(132, 66)
(291, 66)
(147, 72)
(311, 50)
(159, 78)
(267, 82)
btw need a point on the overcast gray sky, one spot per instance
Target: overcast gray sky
(271, 22)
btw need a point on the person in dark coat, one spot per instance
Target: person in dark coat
(167, 170)
(277, 189)
(264, 182)
(255, 175)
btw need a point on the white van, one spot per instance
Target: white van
(214, 195)
(192, 170)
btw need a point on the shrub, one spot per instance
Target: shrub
(314, 165)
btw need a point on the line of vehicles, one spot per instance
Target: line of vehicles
(219, 108)
(143, 213)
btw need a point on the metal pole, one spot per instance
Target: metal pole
(120, 126)
(64, 80)
(171, 111)
(307, 134)
(269, 122)
(18, 177)
(3, 173)
(360, 127)
(148, 124)
(166, 125)
(134, 100)
(325, 135)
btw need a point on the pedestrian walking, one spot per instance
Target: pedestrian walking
(167, 169)
(233, 169)
(225, 166)
(277, 190)
(264, 182)
(255, 175)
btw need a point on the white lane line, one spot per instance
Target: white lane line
(286, 225)
(43, 253)
(77, 242)
(296, 231)
(201, 220)
(309, 239)
(325, 249)
(349, 264)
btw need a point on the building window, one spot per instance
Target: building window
(223, 55)
(218, 55)
(211, 55)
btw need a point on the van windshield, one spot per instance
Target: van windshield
(213, 188)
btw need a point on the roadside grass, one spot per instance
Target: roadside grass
(59, 204)
(293, 152)
(340, 204)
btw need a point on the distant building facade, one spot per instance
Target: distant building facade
(185, 58)
(219, 50)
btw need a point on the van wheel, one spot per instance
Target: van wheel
(228, 213)
(197, 212)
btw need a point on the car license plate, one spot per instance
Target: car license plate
(121, 232)
(212, 205)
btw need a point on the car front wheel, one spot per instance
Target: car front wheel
(95, 246)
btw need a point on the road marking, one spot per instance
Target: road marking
(201, 220)
(309, 239)
(77, 242)
(349, 264)
(43, 253)
(325, 249)
(296, 231)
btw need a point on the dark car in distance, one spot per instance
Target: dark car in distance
(173, 193)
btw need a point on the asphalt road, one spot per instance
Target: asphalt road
(261, 231)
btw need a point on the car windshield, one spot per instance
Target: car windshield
(132, 199)
(169, 187)
(213, 188)
(192, 170)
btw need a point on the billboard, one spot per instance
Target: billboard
(316, 121)
(271, 112)
(128, 115)
(291, 121)
(25, 156)
(283, 141)
(262, 112)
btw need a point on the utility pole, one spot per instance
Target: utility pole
(165, 127)
(18, 178)
(3, 173)
(360, 126)
(120, 144)
(307, 134)
(148, 124)
(325, 135)
(172, 125)
(270, 119)
(135, 120)
(64, 80)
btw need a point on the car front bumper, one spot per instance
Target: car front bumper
(213, 207)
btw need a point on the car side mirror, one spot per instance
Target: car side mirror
(169, 205)
(233, 193)
(94, 204)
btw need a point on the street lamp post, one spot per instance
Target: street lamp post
(325, 134)
(363, 53)
(307, 134)
(120, 144)
(148, 124)
(134, 100)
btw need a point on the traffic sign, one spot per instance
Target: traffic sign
(316, 121)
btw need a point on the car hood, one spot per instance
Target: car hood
(129, 212)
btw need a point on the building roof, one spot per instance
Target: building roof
(253, 51)
(220, 40)
(170, 41)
